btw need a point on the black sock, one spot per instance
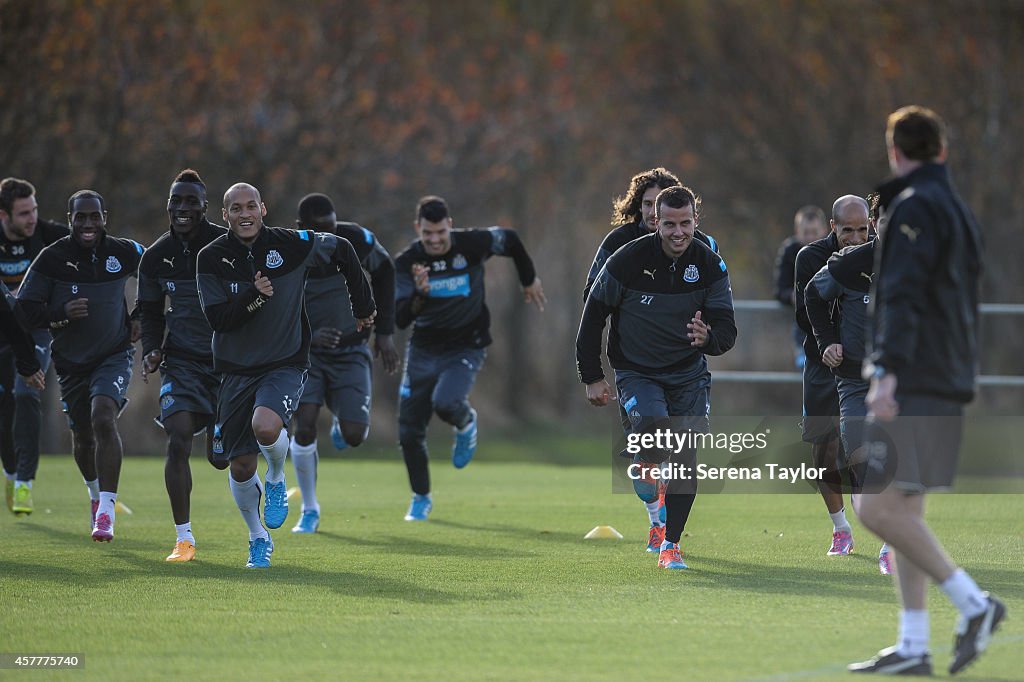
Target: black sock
(677, 511)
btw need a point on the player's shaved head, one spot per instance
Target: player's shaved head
(240, 187)
(850, 221)
(844, 203)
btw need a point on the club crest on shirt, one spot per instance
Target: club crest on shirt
(459, 262)
(113, 265)
(274, 259)
(691, 274)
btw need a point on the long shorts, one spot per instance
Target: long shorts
(343, 382)
(279, 390)
(649, 400)
(675, 402)
(917, 452)
(187, 386)
(821, 404)
(852, 412)
(109, 378)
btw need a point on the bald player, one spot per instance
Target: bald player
(251, 286)
(849, 227)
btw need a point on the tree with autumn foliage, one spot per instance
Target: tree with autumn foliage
(523, 113)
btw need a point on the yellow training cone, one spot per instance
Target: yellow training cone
(293, 492)
(603, 533)
(122, 507)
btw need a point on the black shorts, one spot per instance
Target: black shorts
(279, 390)
(649, 400)
(109, 378)
(852, 412)
(187, 386)
(674, 402)
(821, 404)
(918, 451)
(342, 381)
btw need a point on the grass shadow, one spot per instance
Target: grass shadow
(415, 547)
(341, 583)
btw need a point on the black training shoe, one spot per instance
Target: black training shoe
(888, 662)
(972, 636)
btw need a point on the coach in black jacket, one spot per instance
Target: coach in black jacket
(923, 361)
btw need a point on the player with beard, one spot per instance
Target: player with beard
(633, 215)
(661, 369)
(22, 237)
(440, 292)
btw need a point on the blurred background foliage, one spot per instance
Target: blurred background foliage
(525, 113)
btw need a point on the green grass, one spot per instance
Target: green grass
(499, 585)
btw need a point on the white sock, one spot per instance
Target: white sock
(94, 488)
(652, 511)
(965, 594)
(305, 459)
(107, 503)
(276, 454)
(184, 532)
(913, 639)
(247, 496)
(28, 483)
(839, 521)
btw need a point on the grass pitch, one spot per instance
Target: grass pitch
(498, 585)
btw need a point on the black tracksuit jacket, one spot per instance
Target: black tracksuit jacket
(925, 296)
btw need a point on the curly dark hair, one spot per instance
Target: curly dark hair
(626, 209)
(874, 205)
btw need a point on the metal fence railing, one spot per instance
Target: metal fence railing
(758, 377)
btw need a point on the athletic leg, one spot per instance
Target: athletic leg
(349, 394)
(305, 458)
(28, 416)
(180, 428)
(414, 411)
(7, 452)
